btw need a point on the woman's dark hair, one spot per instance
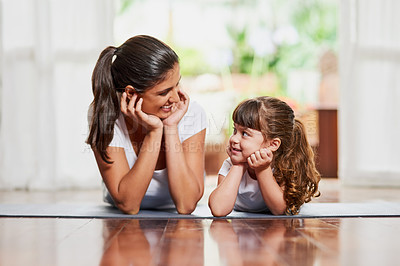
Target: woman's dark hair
(293, 163)
(142, 62)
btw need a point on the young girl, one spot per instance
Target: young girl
(271, 164)
(147, 138)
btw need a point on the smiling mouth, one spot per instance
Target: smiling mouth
(166, 107)
(235, 150)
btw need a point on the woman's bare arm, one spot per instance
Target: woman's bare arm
(128, 186)
(185, 166)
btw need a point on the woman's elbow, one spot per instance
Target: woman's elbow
(189, 205)
(186, 209)
(217, 211)
(128, 209)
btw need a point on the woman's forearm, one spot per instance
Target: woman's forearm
(134, 184)
(185, 175)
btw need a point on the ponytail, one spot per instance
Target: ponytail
(297, 171)
(105, 106)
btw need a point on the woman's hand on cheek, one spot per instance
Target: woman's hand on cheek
(133, 109)
(260, 160)
(179, 110)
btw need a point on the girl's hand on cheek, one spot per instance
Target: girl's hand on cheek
(228, 151)
(133, 109)
(260, 160)
(233, 160)
(179, 110)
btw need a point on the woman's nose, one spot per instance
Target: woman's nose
(174, 95)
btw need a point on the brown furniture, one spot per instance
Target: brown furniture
(327, 149)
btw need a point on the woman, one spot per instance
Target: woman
(148, 139)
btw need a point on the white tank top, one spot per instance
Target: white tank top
(157, 195)
(249, 197)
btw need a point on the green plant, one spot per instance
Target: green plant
(315, 23)
(192, 62)
(243, 54)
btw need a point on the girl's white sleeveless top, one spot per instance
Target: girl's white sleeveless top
(249, 197)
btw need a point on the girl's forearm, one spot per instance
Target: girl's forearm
(185, 184)
(271, 191)
(222, 199)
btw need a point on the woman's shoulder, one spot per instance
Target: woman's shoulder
(194, 121)
(121, 135)
(197, 113)
(119, 123)
(195, 108)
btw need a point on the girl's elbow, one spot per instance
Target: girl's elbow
(278, 211)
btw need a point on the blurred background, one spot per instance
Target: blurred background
(229, 50)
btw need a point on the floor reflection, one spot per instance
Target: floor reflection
(239, 242)
(331, 241)
(263, 242)
(153, 242)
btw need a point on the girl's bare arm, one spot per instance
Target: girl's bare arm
(272, 193)
(222, 199)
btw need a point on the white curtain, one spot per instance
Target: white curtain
(48, 51)
(369, 115)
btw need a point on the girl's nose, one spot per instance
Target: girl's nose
(234, 138)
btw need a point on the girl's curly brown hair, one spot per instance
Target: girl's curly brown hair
(293, 163)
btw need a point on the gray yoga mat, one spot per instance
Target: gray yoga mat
(85, 210)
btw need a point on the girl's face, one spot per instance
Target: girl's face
(244, 142)
(161, 99)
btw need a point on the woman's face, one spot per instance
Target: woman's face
(160, 99)
(244, 142)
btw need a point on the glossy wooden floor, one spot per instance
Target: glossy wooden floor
(342, 241)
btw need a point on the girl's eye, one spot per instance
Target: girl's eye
(245, 134)
(234, 131)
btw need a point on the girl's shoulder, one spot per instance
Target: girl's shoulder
(225, 167)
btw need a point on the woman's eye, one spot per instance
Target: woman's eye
(164, 93)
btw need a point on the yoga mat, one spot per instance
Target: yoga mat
(85, 210)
